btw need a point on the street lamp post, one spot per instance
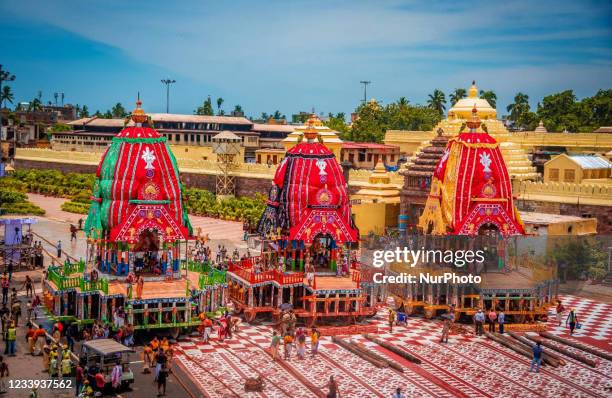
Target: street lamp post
(365, 90)
(8, 77)
(168, 82)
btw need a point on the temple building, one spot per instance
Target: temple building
(417, 178)
(376, 205)
(471, 191)
(325, 135)
(518, 164)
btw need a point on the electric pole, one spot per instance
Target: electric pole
(168, 82)
(365, 90)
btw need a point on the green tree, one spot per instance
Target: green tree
(597, 110)
(579, 256)
(118, 111)
(370, 124)
(437, 101)
(84, 111)
(34, 105)
(561, 112)
(6, 95)
(456, 95)
(206, 109)
(265, 116)
(219, 103)
(277, 115)
(518, 107)
(337, 123)
(490, 96)
(107, 115)
(238, 110)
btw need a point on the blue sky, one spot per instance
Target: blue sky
(295, 55)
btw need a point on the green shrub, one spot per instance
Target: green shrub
(75, 207)
(11, 196)
(22, 208)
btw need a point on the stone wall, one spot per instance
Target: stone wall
(245, 186)
(63, 167)
(603, 214)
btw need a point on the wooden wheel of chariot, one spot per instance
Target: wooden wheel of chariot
(249, 315)
(409, 308)
(310, 321)
(429, 313)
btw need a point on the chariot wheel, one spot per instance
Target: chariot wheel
(310, 321)
(175, 333)
(409, 309)
(429, 313)
(249, 315)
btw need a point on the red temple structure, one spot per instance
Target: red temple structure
(306, 226)
(471, 191)
(136, 226)
(137, 199)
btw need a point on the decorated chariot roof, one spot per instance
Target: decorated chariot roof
(137, 188)
(471, 187)
(309, 195)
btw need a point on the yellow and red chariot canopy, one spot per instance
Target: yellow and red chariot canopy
(470, 188)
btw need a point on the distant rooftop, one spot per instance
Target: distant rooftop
(163, 117)
(283, 128)
(367, 145)
(591, 162)
(604, 129)
(545, 219)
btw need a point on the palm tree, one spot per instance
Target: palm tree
(490, 96)
(403, 102)
(237, 109)
(35, 105)
(458, 94)
(520, 105)
(219, 103)
(437, 101)
(6, 95)
(84, 111)
(118, 111)
(277, 115)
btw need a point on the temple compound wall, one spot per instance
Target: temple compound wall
(581, 200)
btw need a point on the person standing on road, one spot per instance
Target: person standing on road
(79, 377)
(11, 337)
(479, 319)
(501, 319)
(572, 319)
(333, 388)
(537, 357)
(161, 381)
(4, 375)
(116, 376)
(398, 393)
(16, 311)
(73, 233)
(59, 249)
(10, 269)
(492, 319)
(5, 287)
(274, 345)
(314, 341)
(560, 308)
